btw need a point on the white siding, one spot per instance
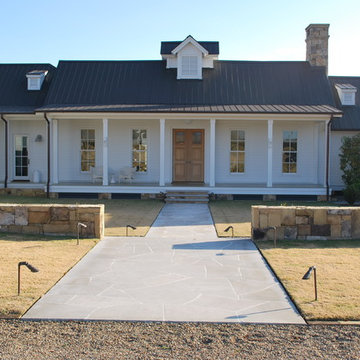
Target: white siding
(336, 182)
(37, 150)
(2, 151)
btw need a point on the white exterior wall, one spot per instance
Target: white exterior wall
(69, 138)
(336, 182)
(2, 151)
(255, 152)
(120, 147)
(310, 153)
(37, 150)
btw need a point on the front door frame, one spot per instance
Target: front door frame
(188, 159)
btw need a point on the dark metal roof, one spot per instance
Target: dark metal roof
(14, 96)
(168, 46)
(232, 86)
(351, 117)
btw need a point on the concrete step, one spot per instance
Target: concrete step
(187, 197)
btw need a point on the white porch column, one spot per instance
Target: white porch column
(212, 151)
(105, 151)
(55, 151)
(162, 153)
(326, 160)
(270, 153)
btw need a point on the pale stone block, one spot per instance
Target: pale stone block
(304, 212)
(320, 216)
(59, 214)
(255, 221)
(21, 215)
(288, 216)
(355, 224)
(346, 229)
(7, 218)
(57, 229)
(302, 220)
(334, 219)
(304, 230)
(274, 218)
(86, 217)
(320, 230)
(263, 221)
(38, 217)
(336, 231)
(339, 211)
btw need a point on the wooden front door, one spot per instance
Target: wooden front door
(188, 155)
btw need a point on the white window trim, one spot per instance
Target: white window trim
(141, 173)
(229, 153)
(297, 154)
(79, 162)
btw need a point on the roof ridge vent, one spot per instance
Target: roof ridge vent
(35, 79)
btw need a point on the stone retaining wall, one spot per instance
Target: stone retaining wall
(305, 223)
(53, 219)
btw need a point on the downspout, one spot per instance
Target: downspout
(48, 156)
(328, 159)
(6, 150)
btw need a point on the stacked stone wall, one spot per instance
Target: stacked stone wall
(305, 223)
(53, 219)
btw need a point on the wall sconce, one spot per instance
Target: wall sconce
(29, 266)
(307, 277)
(38, 138)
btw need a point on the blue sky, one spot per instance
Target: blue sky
(52, 30)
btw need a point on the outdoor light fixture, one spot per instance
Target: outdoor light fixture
(307, 276)
(79, 225)
(232, 230)
(29, 266)
(129, 226)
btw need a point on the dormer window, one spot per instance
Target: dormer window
(189, 56)
(346, 93)
(189, 67)
(35, 79)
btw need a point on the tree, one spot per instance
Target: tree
(350, 160)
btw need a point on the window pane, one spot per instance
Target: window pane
(241, 156)
(241, 145)
(139, 149)
(233, 135)
(180, 137)
(241, 167)
(234, 145)
(233, 167)
(233, 157)
(197, 137)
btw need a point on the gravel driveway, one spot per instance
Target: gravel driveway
(124, 340)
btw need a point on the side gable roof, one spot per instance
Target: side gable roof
(351, 118)
(190, 40)
(14, 96)
(232, 86)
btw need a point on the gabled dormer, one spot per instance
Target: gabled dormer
(346, 93)
(35, 79)
(189, 56)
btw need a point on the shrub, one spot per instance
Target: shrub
(350, 159)
(352, 193)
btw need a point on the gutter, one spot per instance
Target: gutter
(48, 156)
(6, 151)
(328, 159)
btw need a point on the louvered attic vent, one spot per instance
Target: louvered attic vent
(35, 79)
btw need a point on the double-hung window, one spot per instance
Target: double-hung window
(237, 151)
(139, 150)
(87, 149)
(289, 152)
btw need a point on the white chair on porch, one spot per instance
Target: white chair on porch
(127, 174)
(96, 173)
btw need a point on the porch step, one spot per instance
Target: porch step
(187, 197)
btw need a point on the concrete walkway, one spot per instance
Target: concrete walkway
(180, 271)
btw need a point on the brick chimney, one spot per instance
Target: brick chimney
(317, 36)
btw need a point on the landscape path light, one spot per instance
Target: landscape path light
(29, 266)
(80, 225)
(131, 227)
(232, 230)
(307, 276)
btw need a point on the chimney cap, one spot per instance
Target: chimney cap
(317, 25)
